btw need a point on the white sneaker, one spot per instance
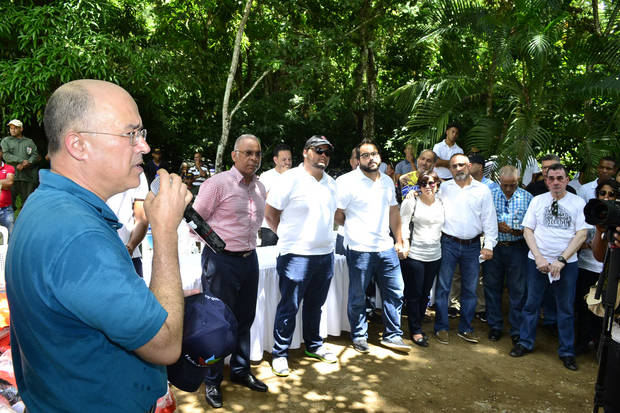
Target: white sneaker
(279, 366)
(323, 354)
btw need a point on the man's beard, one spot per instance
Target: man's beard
(461, 176)
(366, 168)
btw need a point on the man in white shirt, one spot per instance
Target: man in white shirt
(606, 169)
(554, 229)
(282, 159)
(128, 207)
(470, 212)
(368, 209)
(300, 209)
(445, 150)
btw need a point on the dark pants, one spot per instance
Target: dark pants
(418, 277)
(508, 263)
(137, 264)
(23, 189)
(588, 326)
(234, 280)
(267, 237)
(307, 278)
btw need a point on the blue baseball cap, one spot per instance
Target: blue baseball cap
(209, 335)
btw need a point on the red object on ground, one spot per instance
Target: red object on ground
(167, 403)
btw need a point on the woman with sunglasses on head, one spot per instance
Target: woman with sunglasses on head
(421, 264)
(588, 325)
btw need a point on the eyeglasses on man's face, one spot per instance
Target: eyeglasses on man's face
(611, 194)
(367, 155)
(134, 136)
(249, 154)
(320, 151)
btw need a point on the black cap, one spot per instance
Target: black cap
(317, 140)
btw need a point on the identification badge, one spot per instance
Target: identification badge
(28, 150)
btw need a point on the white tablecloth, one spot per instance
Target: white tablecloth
(334, 315)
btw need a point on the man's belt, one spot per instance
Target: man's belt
(242, 254)
(510, 243)
(463, 241)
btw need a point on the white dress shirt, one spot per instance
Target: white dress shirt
(469, 211)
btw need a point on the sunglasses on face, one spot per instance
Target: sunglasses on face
(320, 151)
(432, 184)
(611, 194)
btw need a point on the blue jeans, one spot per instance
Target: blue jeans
(563, 291)
(418, 277)
(507, 262)
(452, 253)
(385, 267)
(7, 218)
(234, 280)
(304, 277)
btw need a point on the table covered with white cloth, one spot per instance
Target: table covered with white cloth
(334, 313)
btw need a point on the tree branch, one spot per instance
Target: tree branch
(232, 112)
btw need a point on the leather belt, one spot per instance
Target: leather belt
(242, 254)
(462, 241)
(510, 243)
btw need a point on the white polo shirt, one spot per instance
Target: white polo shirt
(268, 178)
(445, 152)
(307, 220)
(366, 205)
(122, 205)
(469, 211)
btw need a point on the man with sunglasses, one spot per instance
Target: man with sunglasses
(554, 228)
(233, 203)
(368, 209)
(469, 213)
(81, 319)
(511, 203)
(300, 209)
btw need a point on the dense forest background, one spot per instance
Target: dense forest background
(521, 77)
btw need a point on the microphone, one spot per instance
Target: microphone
(197, 223)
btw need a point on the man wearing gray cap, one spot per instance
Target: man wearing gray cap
(20, 152)
(300, 209)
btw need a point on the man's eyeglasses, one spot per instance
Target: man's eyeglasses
(611, 194)
(554, 208)
(134, 136)
(249, 154)
(432, 184)
(369, 155)
(321, 151)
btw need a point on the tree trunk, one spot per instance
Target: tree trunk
(371, 98)
(226, 117)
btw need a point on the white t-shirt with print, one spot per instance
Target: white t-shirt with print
(553, 233)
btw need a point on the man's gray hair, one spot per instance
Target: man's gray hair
(431, 151)
(245, 136)
(508, 171)
(66, 109)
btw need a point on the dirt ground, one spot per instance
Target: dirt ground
(459, 377)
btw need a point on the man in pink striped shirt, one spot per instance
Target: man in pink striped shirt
(233, 203)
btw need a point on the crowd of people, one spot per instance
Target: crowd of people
(82, 319)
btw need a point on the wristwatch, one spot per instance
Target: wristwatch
(561, 259)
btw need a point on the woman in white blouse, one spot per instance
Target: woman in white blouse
(421, 265)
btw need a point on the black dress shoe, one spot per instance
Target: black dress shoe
(569, 362)
(250, 382)
(519, 351)
(495, 335)
(422, 341)
(213, 395)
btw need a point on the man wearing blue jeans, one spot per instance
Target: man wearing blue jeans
(554, 229)
(509, 255)
(368, 209)
(300, 210)
(469, 213)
